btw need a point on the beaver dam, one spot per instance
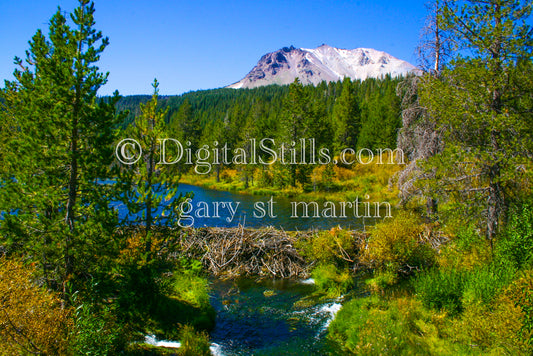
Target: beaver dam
(266, 252)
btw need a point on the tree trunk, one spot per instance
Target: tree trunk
(150, 171)
(72, 187)
(431, 208)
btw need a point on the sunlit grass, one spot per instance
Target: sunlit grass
(368, 182)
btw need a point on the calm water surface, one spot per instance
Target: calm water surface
(205, 202)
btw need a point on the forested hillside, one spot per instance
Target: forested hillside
(450, 272)
(355, 113)
(336, 115)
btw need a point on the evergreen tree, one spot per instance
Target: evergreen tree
(381, 117)
(151, 193)
(346, 116)
(58, 150)
(482, 106)
(295, 128)
(185, 126)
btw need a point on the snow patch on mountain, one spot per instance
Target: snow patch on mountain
(314, 65)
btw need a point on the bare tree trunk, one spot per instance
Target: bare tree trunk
(438, 44)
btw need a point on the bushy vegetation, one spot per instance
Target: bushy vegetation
(371, 326)
(331, 280)
(153, 300)
(441, 289)
(516, 245)
(190, 285)
(334, 253)
(397, 245)
(32, 320)
(470, 141)
(98, 332)
(327, 182)
(447, 308)
(193, 343)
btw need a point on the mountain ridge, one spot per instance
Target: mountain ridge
(313, 66)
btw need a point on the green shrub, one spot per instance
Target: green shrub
(467, 250)
(397, 245)
(189, 285)
(96, 332)
(441, 289)
(486, 282)
(332, 281)
(193, 343)
(349, 322)
(382, 280)
(453, 289)
(370, 326)
(516, 245)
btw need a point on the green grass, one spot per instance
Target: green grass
(347, 184)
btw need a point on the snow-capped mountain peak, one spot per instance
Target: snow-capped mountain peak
(312, 66)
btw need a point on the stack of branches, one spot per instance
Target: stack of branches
(434, 237)
(245, 252)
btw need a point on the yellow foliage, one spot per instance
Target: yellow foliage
(461, 258)
(134, 249)
(31, 318)
(493, 329)
(345, 182)
(396, 244)
(328, 246)
(229, 174)
(343, 174)
(521, 293)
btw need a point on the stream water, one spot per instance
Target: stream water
(269, 317)
(239, 209)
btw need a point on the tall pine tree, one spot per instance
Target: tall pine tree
(482, 105)
(59, 147)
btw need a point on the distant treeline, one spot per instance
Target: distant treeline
(356, 114)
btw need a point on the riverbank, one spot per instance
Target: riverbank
(422, 287)
(327, 183)
(405, 285)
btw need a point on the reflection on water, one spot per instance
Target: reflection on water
(229, 209)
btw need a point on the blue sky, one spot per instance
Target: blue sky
(191, 45)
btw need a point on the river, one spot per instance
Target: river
(265, 317)
(268, 318)
(210, 207)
